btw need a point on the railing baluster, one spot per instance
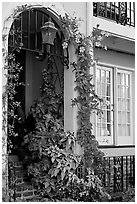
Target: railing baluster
(126, 172)
(110, 170)
(134, 13)
(125, 13)
(98, 6)
(114, 11)
(130, 12)
(114, 174)
(118, 175)
(110, 10)
(117, 11)
(133, 171)
(131, 178)
(105, 9)
(122, 174)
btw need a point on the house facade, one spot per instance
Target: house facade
(114, 74)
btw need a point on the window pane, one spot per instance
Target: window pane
(98, 130)
(119, 78)
(123, 86)
(122, 79)
(123, 117)
(103, 76)
(128, 130)
(99, 89)
(104, 131)
(108, 76)
(108, 129)
(119, 104)
(123, 131)
(127, 104)
(123, 104)
(127, 92)
(123, 95)
(128, 117)
(119, 91)
(119, 130)
(108, 116)
(108, 90)
(127, 79)
(104, 87)
(98, 75)
(119, 117)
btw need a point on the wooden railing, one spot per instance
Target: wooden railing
(120, 12)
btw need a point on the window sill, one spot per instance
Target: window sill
(113, 146)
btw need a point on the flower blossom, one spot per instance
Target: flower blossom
(64, 45)
(99, 38)
(106, 34)
(105, 48)
(82, 49)
(77, 40)
(98, 43)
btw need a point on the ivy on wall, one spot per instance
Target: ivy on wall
(48, 141)
(87, 101)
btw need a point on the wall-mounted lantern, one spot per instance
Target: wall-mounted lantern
(48, 32)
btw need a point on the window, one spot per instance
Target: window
(124, 99)
(114, 127)
(104, 90)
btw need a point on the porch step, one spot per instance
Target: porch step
(22, 190)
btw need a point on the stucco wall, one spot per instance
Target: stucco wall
(73, 8)
(115, 58)
(114, 28)
(77, 9)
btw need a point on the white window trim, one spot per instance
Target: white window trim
(107, 140)
(115, 69)
(121, 140)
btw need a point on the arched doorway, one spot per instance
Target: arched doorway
(26, 33)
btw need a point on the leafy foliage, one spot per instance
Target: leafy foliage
(52, 164)
(13, 70)
(49, 151)
(87, 101)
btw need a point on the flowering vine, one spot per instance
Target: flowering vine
(87, 101)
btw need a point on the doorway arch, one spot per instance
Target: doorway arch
(28, 36)
(26, 32)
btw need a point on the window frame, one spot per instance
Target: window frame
(130, 139)
(115, 70)
(106, 138)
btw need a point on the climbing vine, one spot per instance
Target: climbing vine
(87, 101)
(49, 151)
